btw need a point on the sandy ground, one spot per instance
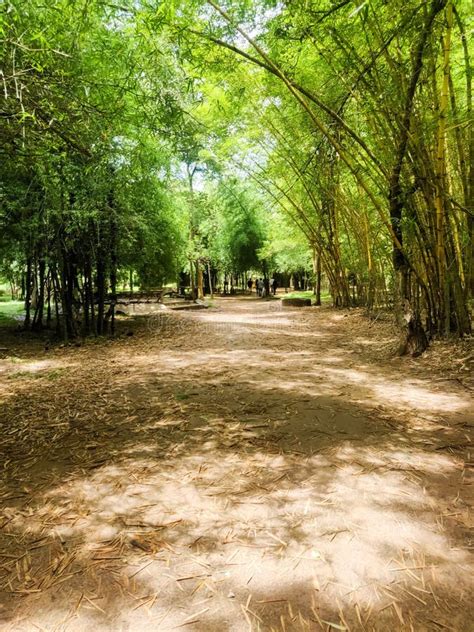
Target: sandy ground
(240, 468)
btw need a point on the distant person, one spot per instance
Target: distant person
(250, 285)
(259, 284)
(275, 286)
(272, 283)
(266, 286)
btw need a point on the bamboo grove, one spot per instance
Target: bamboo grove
(343, 129)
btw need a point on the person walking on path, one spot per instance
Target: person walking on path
(266, 286)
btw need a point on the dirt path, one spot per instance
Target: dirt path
(239, 468)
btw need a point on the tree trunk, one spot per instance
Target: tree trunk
(192, 280)
(113, 271)
(100, 267)
(317, 274)
(407, 315)
(210, 279)
(57, 301)
(441, 183)
(27, 293)
(200, 288)
(48, 300)
(38, 318)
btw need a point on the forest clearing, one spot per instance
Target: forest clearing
(244, 467)
(236, 315)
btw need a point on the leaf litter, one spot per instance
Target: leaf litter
(150, 459)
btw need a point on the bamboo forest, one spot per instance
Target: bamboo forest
(236, 315)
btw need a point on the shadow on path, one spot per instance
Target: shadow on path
(237, 469)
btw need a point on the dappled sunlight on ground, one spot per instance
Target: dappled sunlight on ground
(398, 393)
(215, 524)
(309, 374)
(20, 368)
(213, 484)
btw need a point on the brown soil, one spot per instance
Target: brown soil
(242, 468)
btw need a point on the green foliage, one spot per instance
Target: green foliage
(153, 137)
(286, 247)
(89, 119)
(240, 227)
(308, 294)
(11, 313)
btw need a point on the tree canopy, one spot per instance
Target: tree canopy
(220, 138)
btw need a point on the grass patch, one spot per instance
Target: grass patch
(21, 375)
(181, 396)
(52, 375)
(5, 291)
(10, 311)
(325, 296)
